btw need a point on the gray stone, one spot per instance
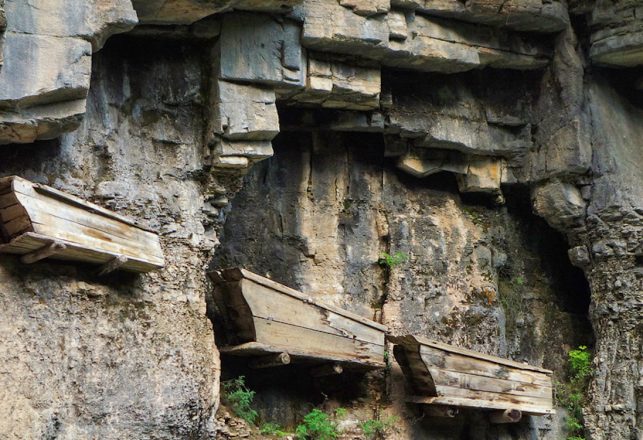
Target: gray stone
(244, 112)
(273, 47)
(560, 204)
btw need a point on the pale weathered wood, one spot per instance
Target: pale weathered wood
(44, 252)
(457, 363)
(506, 416)
(237, 274)
(327, 370)
(273, 360)
(441, 411)
(251, 349)
(446, 375)
(478, 403)
(90, 233)
(270, 315)
(298, 338)
(272, 304)
(112, 265)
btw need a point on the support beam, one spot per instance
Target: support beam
(506, 416)
(441, 411)
(274, 360)
(44, 252)
(327, 370)
(112, 265)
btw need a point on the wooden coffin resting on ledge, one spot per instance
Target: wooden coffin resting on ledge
(37, 222)
(441, 374)
(263, 317)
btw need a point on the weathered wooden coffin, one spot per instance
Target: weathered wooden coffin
(262, 317)
(37, 221)
(442, 374)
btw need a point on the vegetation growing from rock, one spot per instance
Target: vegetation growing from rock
(239, 397)
(571, 395)
(318, 425)
(378, 428)
(390, 261)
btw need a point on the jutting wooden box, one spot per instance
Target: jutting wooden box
(38, 222)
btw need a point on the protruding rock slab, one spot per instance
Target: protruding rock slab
(46, 68)
(258, 48)
(333, 84)
(170, 12)
(519, 15)
(432, 44)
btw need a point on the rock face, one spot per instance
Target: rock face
(496, 144)
(45, 76)
(130, 356)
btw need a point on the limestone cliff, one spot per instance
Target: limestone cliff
(496, 144)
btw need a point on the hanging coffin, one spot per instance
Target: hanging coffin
(441, 374)
(39, 222)
(263, 317)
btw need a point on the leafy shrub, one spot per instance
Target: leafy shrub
(317, 425)
(272, 429)
(377, 428)
(390, 261)
(239, 397)
(571, 395)
(580, 363)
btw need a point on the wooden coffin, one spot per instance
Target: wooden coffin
(441, 374)
(262, 316)
(37, 222)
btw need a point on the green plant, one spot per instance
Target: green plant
(580, 363)
(272, 429)
(341, 412)
(376, 428)
(390, 261)
(518, 281)
(317, 425)
(239, 397)
(571, 394)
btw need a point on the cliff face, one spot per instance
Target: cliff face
(497, 145)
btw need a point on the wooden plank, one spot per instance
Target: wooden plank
(257, 349)
(449, 361)
(11, 212)
(44, 252)
(17, 226)
(272, 360)
(31, 241)
(112, 265)
(52, 211)
(482, 383)
(271, 304)
(474, 354)
(319, 344)
(479, 404)
(508, 400)
(82, 238)
(29, 188)
(7, 200)
(237, 274)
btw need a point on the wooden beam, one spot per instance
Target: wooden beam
(44, 252)
(112, 265)
(327, 370)
(273, 360)
(506, 416)
(441, 411)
